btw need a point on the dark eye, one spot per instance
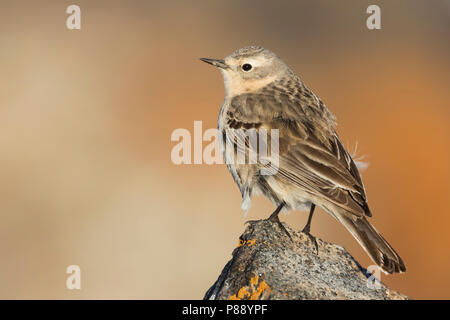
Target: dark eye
(246, 67)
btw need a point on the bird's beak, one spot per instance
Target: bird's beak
(216, 62)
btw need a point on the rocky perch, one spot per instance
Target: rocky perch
(268, 265)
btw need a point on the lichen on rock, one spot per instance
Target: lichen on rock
(268, 265)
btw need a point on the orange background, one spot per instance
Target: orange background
(86, 118)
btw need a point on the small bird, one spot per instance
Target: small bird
(314, 168)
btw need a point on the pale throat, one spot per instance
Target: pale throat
(235, 85)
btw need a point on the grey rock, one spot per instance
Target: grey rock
(270, 265)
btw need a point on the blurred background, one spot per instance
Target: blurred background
(86, 118)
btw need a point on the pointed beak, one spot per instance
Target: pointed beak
(216, 62)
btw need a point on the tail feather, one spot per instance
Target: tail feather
(379, 250)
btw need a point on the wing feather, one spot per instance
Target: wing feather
(311, 155)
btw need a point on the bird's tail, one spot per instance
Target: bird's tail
(373, 243)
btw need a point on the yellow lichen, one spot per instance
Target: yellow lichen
(242, 293)
(254, 293)
(263, 286)
(254, 280)
(246, 242)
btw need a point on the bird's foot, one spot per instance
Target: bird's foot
(275, 219)
(311, 237)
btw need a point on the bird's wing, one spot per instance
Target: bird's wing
(325, 173)
(311, 156)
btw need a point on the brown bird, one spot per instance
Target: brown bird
(312, 165)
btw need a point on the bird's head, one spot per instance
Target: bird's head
(249, 69)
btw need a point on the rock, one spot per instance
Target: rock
(268, 265)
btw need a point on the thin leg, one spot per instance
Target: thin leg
(274, 218)
(307, 228)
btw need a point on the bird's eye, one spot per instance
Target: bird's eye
(246, 67)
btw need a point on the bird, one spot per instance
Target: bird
(313, 167)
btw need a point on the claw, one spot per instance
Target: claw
(312, 238)
(274, 218)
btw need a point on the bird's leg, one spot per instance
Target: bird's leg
(307, 227)
(274, 218)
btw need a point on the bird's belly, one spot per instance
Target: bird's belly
(294, 197)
